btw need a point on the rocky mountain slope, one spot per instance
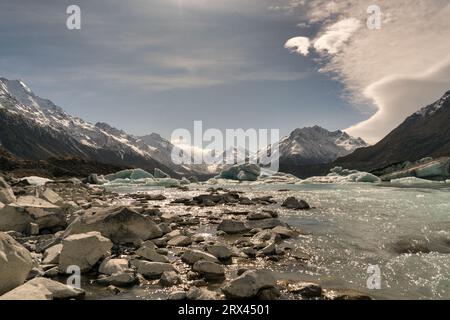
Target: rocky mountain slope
(426, 133)
(52, 133)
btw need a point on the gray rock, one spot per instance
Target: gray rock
(249, 284)
(15, 263)
(112, 266)
(306, 289)
(294, 203)
(152, 270)
(83, 250)
(177, 295)
(28, 209)
(149, 253)
(221, 252)
(169, 279)
(6, 193)
(118, 279)
(233, 226)
(120, 224)
(193, 255)
(209, 270)
(202, 294)
(43, 289)
(51, 255)
(179, 241)
(285, 232)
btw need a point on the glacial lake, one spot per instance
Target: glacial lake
(353, 226)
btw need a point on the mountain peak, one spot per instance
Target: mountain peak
(431, 109)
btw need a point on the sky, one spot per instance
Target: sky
(158, 65)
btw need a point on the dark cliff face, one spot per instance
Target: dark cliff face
(426, 133)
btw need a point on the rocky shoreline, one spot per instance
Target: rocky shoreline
(185, 243)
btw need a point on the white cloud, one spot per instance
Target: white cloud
(336, 35)
(398, 69)
(298, 44)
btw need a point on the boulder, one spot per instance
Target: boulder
(28, 209)
(285, 232)
(202, 294)
(232, 226)
(179, 241)
(306, 289)
(221, 252)
(112, 266)
(118, 279)
(209, 270)
(152, 270)
(265, 224)
(83, 250)
(15, 263)
(6, 193)
(294, 203)
(51, 255)
(149, 253)
(52, 197)
(169, 279)
(249, 284)
(49, 290)
(193, 255)
(120, 224)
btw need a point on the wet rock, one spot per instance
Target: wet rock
(306, 289)
(193, 255)
(202, 294)
(49, 290)
(249, 284)
(51, 255)
(177, 295)
(284, 232)
(233, 226)
(15, 263)
(269, 294)
(155, 197)
(269, 250)
(294, 203)
(180, 241)
(118, 279)
(148, 252)
(209, 270)
(121, 225)
(265, 224)
(83, 250)
(259, 215)
(169, 279)
(152, 270)
(300, 254)
(412, 245)
(112, 266)
(347, 294)
(221, 252)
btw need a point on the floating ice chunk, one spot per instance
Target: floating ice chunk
(241, 172)
(124, 174)
(140, 174)
(36, 181)
(413, 181)
(160, 174)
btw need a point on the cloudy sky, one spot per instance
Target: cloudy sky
(157, 65)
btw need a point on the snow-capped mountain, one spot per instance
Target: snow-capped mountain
(315, 145)
(51, 132)
(425, 133)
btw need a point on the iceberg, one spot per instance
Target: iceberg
(338, 175)
(36, 181)
(413, 181)
(158, 173)
(241, 172)
(133, 174)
